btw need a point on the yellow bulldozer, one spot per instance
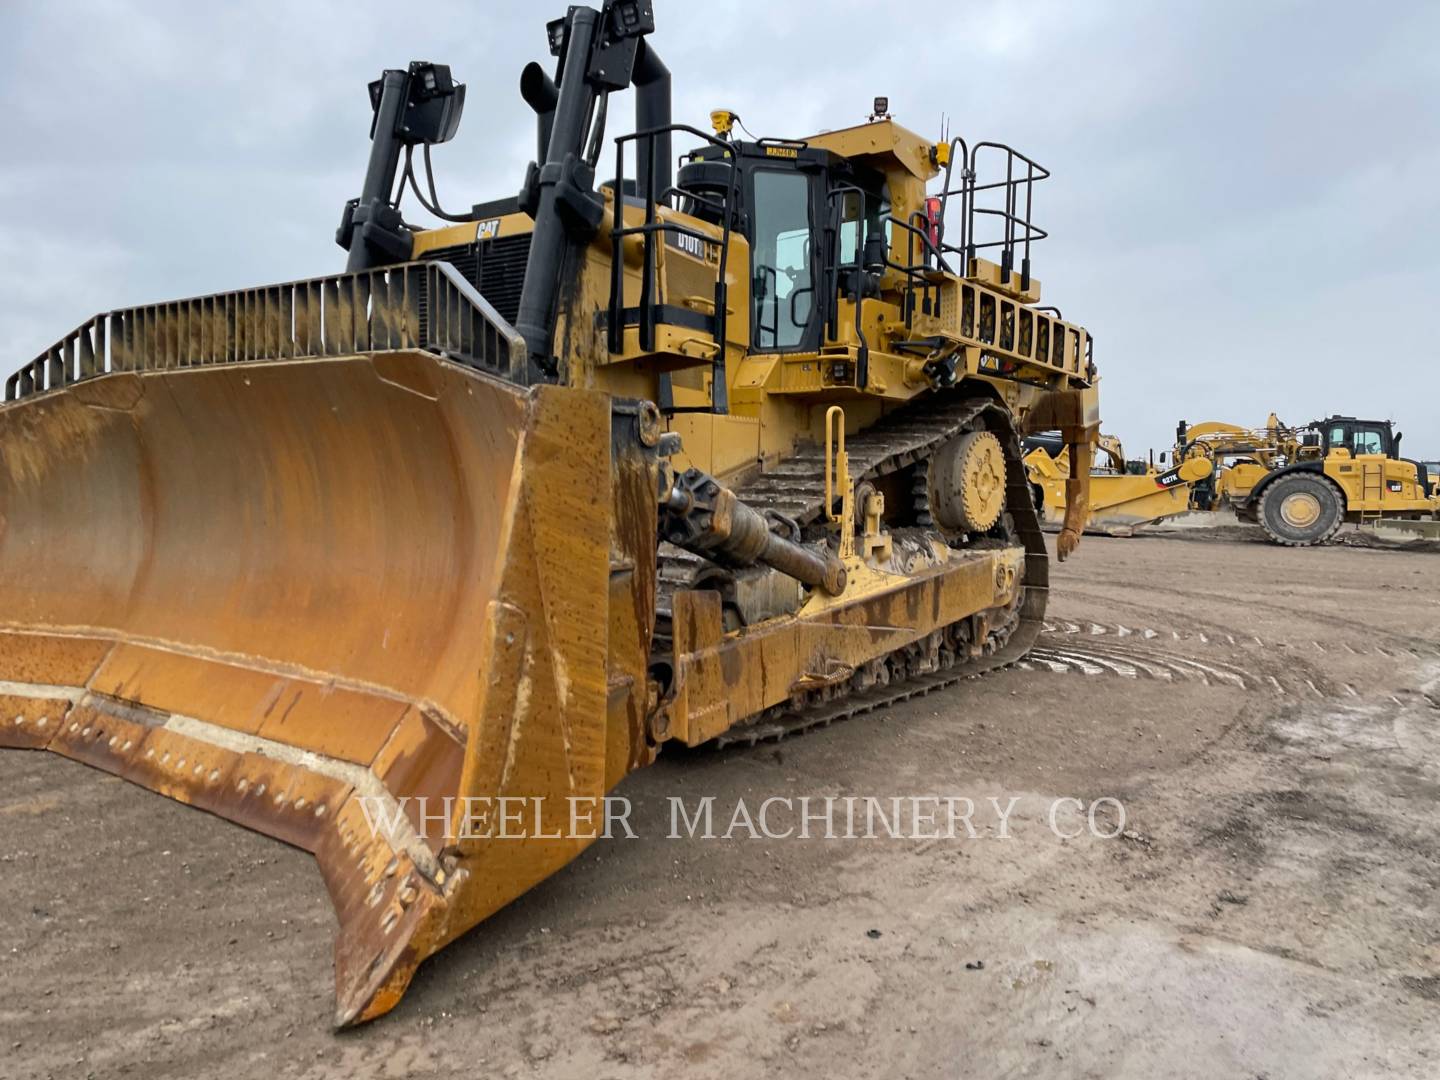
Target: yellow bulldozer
(410, 565)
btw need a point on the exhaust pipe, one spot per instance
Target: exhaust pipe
(652, 110)
(542, 95)
(560, 179)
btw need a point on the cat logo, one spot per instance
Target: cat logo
(487, 229)
(782, 151)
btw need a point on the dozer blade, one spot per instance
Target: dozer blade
(306, 595)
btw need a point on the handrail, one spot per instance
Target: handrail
(416, 305)
(915, 271)
(837, 479)
(1017, 228)
(838, 193)
(652, 224)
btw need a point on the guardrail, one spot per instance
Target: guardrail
(421, 305)
(648, 313)
(1012, 225)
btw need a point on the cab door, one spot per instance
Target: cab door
(783, 252)
(1371, 450)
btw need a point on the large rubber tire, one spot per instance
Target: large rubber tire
(1301, 509)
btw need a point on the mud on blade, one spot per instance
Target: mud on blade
(306, 595)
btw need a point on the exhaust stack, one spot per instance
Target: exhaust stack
(652, 110)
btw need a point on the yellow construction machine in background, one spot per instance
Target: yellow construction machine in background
(1299, 483)
(1432, 475)
(1124, 495)
(454, 540)
(1240, 457)
(1302, 484)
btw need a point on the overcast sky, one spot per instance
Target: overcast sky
(1243, 209)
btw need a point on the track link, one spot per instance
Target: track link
(856, 704)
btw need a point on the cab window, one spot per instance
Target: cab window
(852, 239)
(1368, 441)
(781, 288)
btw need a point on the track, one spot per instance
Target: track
(823, 714)
(796, 490)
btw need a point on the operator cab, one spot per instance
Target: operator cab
(1359, 437)
(801, 209)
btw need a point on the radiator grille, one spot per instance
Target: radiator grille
(495, 267)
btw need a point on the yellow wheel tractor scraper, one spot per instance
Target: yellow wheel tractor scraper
(1302, 484)
(408, 566)
(1299, 484)
(1124, 495)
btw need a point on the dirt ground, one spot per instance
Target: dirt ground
(1269, 720)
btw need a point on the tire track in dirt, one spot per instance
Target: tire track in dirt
(1146, 652)
(1399, 643)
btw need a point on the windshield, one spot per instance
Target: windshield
(1368, 441)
